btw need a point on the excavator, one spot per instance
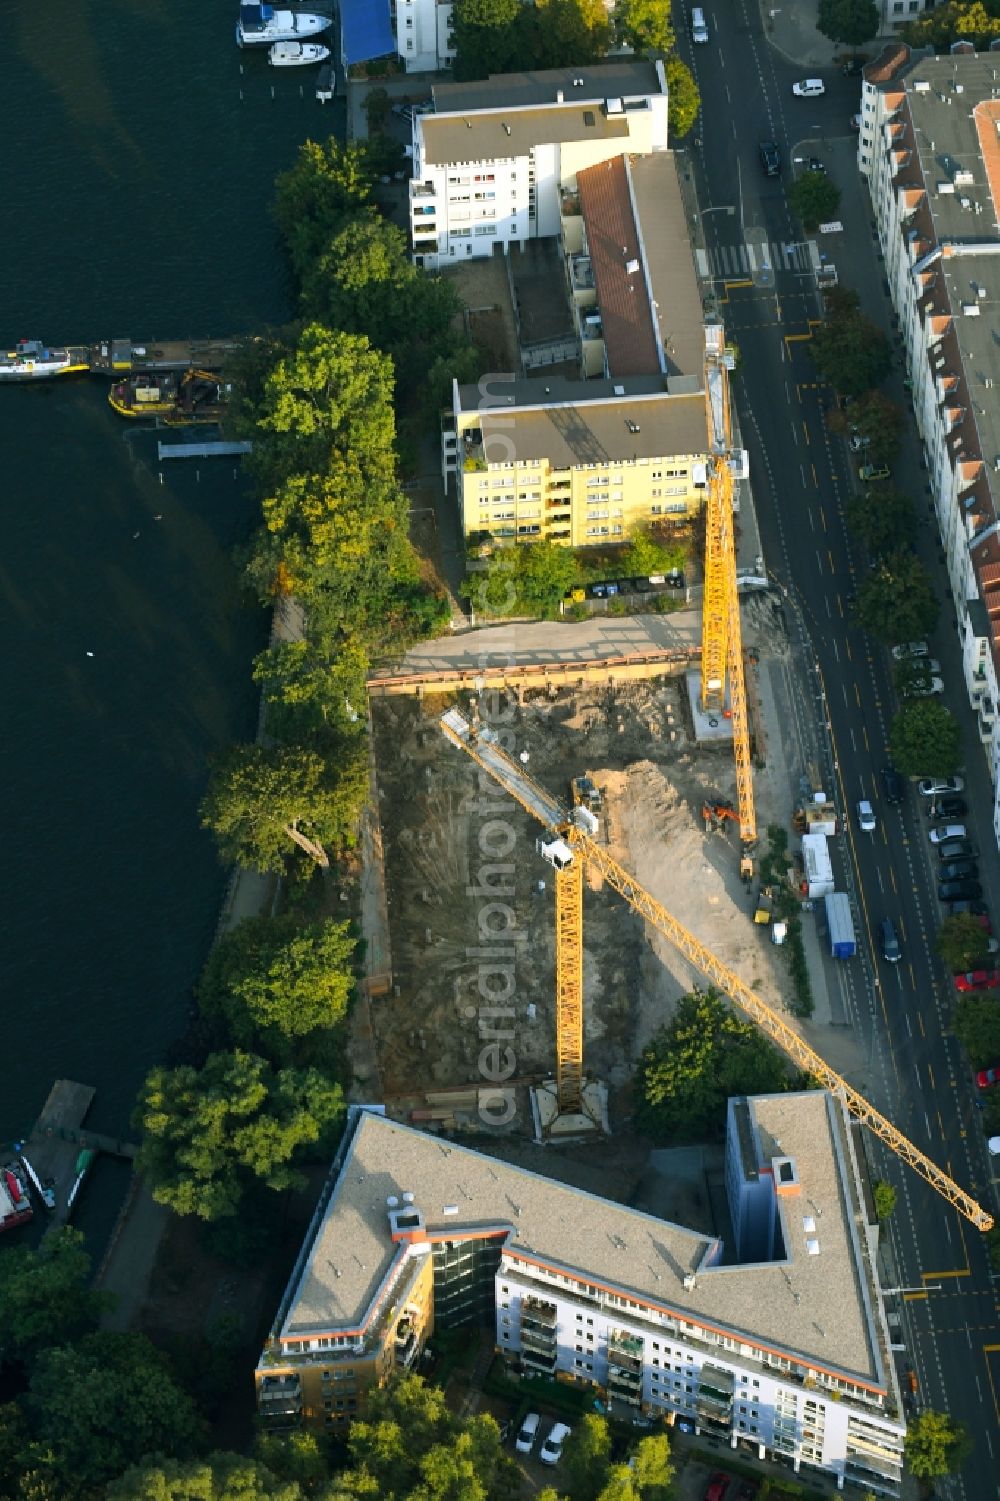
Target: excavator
(568, 846)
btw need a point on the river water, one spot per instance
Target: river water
(139, 153)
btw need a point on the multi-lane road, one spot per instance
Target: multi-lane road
(801, 476)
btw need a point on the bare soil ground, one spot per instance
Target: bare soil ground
(443, 829)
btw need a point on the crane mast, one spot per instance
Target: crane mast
(573, 845)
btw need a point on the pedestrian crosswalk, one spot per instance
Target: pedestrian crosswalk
(751, 259)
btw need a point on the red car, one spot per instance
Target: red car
(987, 1077)
(717, 1486)
(978, 979)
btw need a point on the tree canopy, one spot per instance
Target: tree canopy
(849, 350)
(883, 519)
(814, 197)
(961, 941)
(897, 602)
(644, 25)
(586, 1460)
(208, 1132)
(313, 685)
(694, 1064)
(935, 1445)
(977, 1027)
(926, 740)
(852, 22)
(327, 184)
(221, 1477)
(957, 20)
(684, 99)
(277, 975)
(45, 1296)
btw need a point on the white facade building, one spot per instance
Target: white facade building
(928, 148)
(491, 161)
(776, 1344)
(423, 34)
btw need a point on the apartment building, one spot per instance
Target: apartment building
(491, 161)
(930, 150)
(581, 463)
(423, 34)
(776, 1344)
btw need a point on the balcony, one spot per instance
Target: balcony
(535, 1311)
(569, 203)
(582, 273)
(534, 1361)
(422, 190)
(542, 1340)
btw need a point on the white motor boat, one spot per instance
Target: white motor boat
(262, 25)
(297, 54)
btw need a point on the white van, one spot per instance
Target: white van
(699, 26)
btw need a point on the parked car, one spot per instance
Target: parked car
(858, 442)
(770, 159)
(923, 687)
(948, 807)
(987, 1077)
(891, 950)
(866, 817)
(945, 832)
(745, 1491)
(853, 68)
(957, 849)
(551, 1451)
(528, 1433)
(957, 870)
(906, 650)
(809, 88)
(972, 909)
(993, 1146)
(978, 979)
(935, 786)
(717, 1486)
(868, 472)
(813, 164)
(959, 891)
(893, 785)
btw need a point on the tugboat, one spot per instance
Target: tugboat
(32, 360)
(173, 397)
(260, 25)
(15, 1205)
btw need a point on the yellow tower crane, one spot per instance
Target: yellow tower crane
(569, 847)
(721, 641)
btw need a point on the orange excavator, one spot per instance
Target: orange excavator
(715, 814)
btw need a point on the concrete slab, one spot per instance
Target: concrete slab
(709, 729)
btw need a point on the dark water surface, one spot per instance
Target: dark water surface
(136, 185)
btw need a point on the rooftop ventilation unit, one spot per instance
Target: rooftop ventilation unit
(921, 86)
(996, 464)
(812, 1246)
(392, 1202)
(966, 203)
(946, 187)
(633, 427)
(963, 178)
(970, 309)
(615, 107)
(619, 390)
(631, 267)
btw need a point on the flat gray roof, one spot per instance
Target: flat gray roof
(666, 245)
(496, 135)
(628, 78)
(811, 1306)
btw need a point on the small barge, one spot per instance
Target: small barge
(171, 397)
(15, 1203)
(30, 359)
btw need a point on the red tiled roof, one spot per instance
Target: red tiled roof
(613, 241)
(888, 63)
(987, 117)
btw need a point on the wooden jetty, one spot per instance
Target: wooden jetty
(211, 450)
(59, 1136)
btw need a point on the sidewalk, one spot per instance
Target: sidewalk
(790, 28)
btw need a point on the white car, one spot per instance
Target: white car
(909, 649)
(922, 688)
(528, 1433)
(940, 786)
(866, 817)
(809, 88)
(551, 1451)
(947, 831)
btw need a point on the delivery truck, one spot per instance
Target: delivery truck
(840, 925)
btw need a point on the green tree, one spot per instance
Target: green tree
(644, 25)
(411, 1445)
(260, 801)
(620, 1485)
(571, 33)
(586, 1461)
(220, 1477)
(993, 1247)
(977, 1027)
(935, 1445)
(814, 198)
(848, 349)
(958, 20)
(488, 37)
(884, 519)
(377, 107)
(327, 185)
(313, 684)
(884, 1196)
(912, 678)
(102, 1404)
(293, 1457)
(852, 22)
(279, 975)
(646, 553)
(652, 1468)
(545, 571)
(692, 1066)
(684, 100)
(207, 1132)
(880, 421)
(961, 942)
(45, 1296)
(897, 602)
(926, 740)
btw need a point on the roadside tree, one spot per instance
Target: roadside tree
(586, 1459)
(884, 1196)
(849, 350)
(45, 1296)
(220, 1477)
(880, 421)
(897, 601)
(960, 942)
(993, 1247)
(853, 22)
(100, 1405)
(644, 25)
(207, 1132)
(935, 1445)
(377, 107)
(814, 197)
(570, 32)
(260, 801)
(277, 975)
(883, 520)
(683, 96)
(977, 1027)
(692, 1065)
(926, 740)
